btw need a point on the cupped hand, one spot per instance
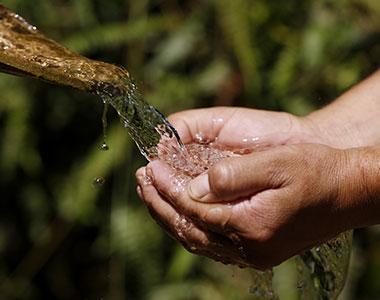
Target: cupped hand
(258, 209)
(242, 128)
(253, 210)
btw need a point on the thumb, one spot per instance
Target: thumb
(236, 177)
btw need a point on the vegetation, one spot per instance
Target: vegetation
(61, 238)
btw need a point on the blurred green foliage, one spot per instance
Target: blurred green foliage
(60, 238)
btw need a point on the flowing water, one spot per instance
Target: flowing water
(145, 124)
(27, 52)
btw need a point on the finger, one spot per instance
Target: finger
(194, 238)
(203, 242)
(165, 214)
(159, 208)
(213, 216)
(160, 223)
(238, 176)
(201, 123)
(142, 177)
(140, 172)
(220, 245)
(156, 202)
(239, 128)
(140, 194)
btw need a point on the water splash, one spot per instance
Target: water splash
(323, 269)
(145, 124)
(192, 160)
(262, 285)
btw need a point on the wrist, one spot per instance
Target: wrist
(332, 131)
(359, 186)
(305, 130)
(352, 120)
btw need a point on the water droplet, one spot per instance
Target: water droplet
(198, 138)
(219, 120)
(104, 146)
(98, 181)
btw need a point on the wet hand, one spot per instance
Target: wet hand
(242, 128)
(259, 209)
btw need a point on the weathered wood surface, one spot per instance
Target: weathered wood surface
(24, 51)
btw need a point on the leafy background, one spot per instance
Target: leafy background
(61, 238)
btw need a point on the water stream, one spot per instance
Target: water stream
(27, 52)
(24, 51)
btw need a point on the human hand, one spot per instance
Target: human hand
(284, 217)
(242, 128)
(261, 208)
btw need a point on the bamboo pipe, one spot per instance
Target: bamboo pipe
(26, 52)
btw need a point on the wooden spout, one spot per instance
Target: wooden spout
(24, 51)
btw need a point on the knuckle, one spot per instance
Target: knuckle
(281, 168)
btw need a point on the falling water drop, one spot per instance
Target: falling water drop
(104, 146)
(98, 182)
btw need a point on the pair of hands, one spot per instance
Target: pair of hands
(258, 209)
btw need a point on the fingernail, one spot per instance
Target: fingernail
(199, 187)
